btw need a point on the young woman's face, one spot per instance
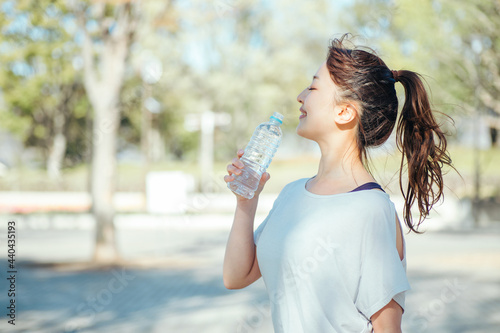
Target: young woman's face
(318, 102)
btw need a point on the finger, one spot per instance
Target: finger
(265, 177)
(262, 182)
(228, 179)
(237, 163)
(240, 152)
(232, 169)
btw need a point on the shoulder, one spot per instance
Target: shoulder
(288, 190)
(298, 182)
(374, 205)
(293, 186)
(374, 199)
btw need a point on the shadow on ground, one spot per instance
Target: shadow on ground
(451, 302)
(127, 299)
(105, 299)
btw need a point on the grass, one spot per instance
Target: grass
(385, 169)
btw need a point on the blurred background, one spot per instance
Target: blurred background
(118, 118)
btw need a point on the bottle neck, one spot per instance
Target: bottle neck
(274, 122)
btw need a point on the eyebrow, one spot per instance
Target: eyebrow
(315, 77)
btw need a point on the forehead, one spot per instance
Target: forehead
(323, 74)
(322, 68)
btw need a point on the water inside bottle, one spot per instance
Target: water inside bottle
(245, 183)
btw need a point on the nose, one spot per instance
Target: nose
(300, 97)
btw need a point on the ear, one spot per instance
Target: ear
(345, 113)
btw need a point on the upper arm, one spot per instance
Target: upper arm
(399, 239)
(388, 319)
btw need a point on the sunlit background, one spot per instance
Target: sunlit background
(118, 118)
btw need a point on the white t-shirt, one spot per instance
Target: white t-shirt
(329, 262)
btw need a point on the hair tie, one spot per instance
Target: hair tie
(395, 75)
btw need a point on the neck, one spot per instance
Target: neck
(340, 162)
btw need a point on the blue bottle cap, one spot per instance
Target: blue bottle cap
(278, 117)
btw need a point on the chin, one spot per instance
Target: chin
(303, 132)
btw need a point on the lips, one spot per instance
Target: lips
(303, 114)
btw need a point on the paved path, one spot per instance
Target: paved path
(174, 284)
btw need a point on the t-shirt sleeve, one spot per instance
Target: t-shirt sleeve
(260, 228)
(258, 231)
(383, 276)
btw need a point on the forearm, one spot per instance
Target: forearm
(388, 330)
(240, 248)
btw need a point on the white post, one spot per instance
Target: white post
(207, 150)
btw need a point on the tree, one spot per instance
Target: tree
(107, 31)
(40, 86)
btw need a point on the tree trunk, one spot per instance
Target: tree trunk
(56, 154)
(103, 182)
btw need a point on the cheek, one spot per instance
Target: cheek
(318, 122)
(319, 101)
(324, 123)
(324, 114)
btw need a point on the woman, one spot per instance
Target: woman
(331, 251)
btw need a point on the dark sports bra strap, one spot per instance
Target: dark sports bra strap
(368, 186)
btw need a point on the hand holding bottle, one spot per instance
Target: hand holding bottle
(256, 158)
(236, 167)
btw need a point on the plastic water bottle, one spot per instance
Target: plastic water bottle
(258, 155)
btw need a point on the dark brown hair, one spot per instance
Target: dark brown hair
(363, 79)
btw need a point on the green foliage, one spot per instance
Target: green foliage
(37, 76)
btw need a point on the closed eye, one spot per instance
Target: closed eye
(311, 88)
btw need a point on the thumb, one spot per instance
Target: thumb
(265, 177)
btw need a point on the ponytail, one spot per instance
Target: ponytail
(423, 146)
